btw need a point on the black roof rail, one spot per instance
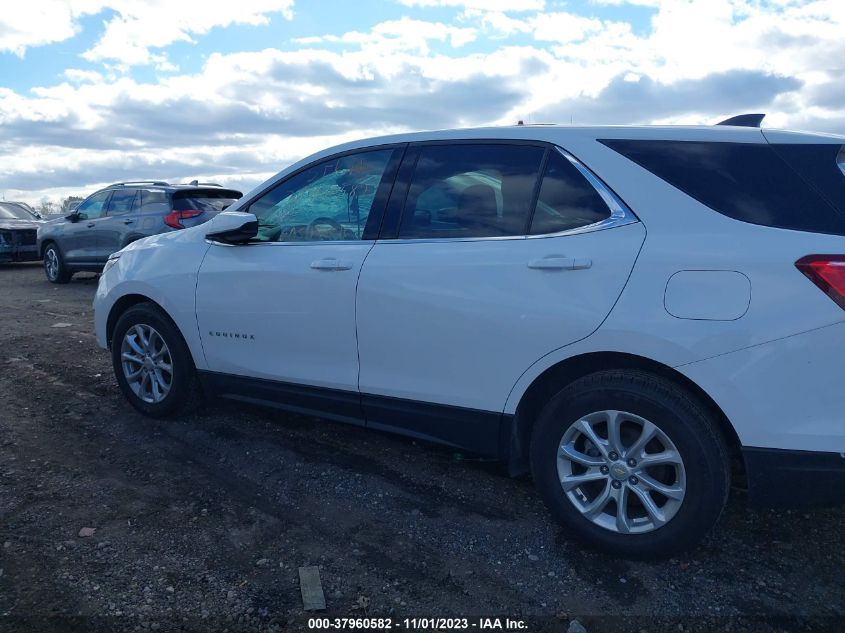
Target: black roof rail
(744, 120)
(158, 183)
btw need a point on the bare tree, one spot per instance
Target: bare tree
(70, 203)
(46, 207)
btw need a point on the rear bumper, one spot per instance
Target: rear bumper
(782, 478)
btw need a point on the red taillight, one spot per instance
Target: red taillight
(828, 273)
(174, 218)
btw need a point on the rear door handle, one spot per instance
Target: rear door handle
(555, 262)
(128, 221)
(330, 263)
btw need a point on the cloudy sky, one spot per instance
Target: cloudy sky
(95, 91)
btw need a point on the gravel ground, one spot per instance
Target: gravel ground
(201, 524)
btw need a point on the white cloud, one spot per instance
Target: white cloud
(139, 27)
(35, 23)
(79, 76)
(481, 5)
(398, 35)
(135, 29)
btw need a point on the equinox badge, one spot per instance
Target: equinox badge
(246, 337)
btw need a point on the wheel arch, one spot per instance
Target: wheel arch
(571, 369)
(45, 243)
(122, 305)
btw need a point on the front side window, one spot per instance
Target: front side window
(566, 201)
(471, 190)
(94, 206)
(121, 202)
(329, 201)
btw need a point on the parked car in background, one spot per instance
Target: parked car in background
(27, 208)
(18, 229)
(619, 310)
(113, 217)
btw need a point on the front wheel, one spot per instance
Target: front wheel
(54, 266)
(152, 363)
(630, 463)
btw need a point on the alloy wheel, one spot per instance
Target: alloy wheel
(51, 263)
(621, 472)
(146, 362)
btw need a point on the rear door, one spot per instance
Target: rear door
(476, 286)
(79, 239)
(121, 219)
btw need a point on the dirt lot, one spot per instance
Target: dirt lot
(202, 523)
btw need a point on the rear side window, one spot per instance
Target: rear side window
(213, 200)
(566, 201)
(744, 181)
(151, 197)
(121, 201)
(471, 190)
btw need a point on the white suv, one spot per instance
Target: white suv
(619, 310)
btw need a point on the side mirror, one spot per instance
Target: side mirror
(232, 227)
(73, 216)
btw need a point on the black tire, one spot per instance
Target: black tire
(689, 425)
(58, 274)
(184, 394)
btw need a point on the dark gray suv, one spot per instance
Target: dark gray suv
(111, 218)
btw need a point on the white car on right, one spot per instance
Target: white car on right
(625, 312)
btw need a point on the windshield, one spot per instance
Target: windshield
(13, 212)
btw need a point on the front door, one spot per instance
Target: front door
(282, 310)
(79, 239)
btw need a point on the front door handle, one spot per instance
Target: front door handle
(128, 221)
(91, 225)
(330, 263)
(555, 262)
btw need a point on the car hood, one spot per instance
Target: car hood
(11, 225)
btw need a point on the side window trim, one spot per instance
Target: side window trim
(412, 156)
(399, 194)
(620, 213)
(544, 164)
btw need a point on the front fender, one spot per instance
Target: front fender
(165, 276)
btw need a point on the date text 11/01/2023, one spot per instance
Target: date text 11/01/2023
(419, 624)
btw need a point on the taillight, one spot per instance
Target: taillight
(828, 273)
(174, 218)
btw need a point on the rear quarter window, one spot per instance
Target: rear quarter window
(745, 181)
(153, 200)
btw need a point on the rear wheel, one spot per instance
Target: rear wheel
(152, 363)
(631, 463)
(54, 266)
